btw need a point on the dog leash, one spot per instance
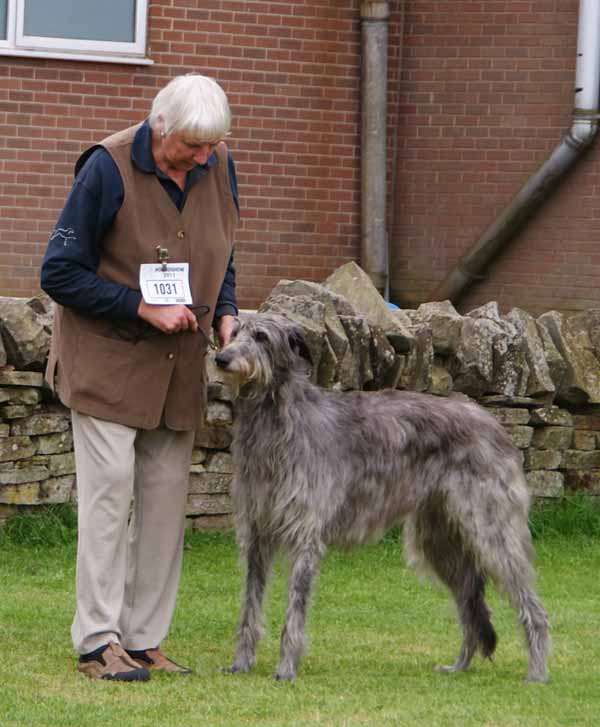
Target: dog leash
(141, 330)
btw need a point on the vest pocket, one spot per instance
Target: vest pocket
(101, 368)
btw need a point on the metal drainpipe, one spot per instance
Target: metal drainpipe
(374, 253)
(547, 178)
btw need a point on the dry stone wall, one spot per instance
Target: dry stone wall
(539, 377)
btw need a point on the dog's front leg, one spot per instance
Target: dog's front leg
(305, 564)
(259, 558)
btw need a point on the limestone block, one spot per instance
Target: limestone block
(219, 462)
(359, 335)
(26, 337)
(509, 415)
(218, 414)
(417, 373)
(27, 470)
(581, 384)
(57, 489)
(16, 411)
(590, 320)
(552, 416)
(544, 483)
(300, 296)
(506, 400)
(557, 366)
(445, 324)
(43, 423)
(9, 377)
(213, 437)
(209, 483)
(540, 380)
(521, 435)
(203, 504)
(351, 282)
(328, 365)
(15, 448)
(27, 395)
(60, 464)
(542, 459)
(55, 443)
(340, 304)
(584, 440)
(472, 367)
(4, 431)
(309, 315)
(198, 455)
(552, 438)
(577, 460)
(441, 381)
(220, 386)
(510, 369)
(27, 493)
(383, 361)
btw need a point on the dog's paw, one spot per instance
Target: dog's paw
(537, 679)
(451, 669)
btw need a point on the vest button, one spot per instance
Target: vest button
(170, 356)
(180, 234)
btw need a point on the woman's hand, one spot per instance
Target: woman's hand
(168, 318)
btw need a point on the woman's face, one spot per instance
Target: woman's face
(182, 153)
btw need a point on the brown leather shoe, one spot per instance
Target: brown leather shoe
(155, 660)
(112, 663)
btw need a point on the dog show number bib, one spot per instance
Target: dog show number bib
(165, 284)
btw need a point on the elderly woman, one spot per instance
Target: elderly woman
(140, 264)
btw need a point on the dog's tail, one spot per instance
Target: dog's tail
(433, 543)
(481, 624)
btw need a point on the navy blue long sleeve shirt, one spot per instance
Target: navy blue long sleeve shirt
(69, 269)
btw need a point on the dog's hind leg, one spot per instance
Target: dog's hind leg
(259, 556)
(512, 573)
(432, 539)
(535, 624)
(304, 567)
(502, 547)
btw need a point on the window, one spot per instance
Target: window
(110, 30)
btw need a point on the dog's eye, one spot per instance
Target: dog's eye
(260, 337)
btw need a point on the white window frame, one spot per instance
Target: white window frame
(19, 44)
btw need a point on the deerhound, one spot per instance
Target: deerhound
(315, 467)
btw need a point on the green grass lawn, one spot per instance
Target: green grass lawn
(376, 635)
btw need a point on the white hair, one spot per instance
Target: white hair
(194, 106)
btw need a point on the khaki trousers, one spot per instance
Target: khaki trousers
(128, 571)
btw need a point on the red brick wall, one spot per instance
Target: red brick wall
(486, 95)
(291, 71)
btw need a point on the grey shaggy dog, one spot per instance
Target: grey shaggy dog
(316, 467)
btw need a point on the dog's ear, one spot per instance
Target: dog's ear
(298, 345)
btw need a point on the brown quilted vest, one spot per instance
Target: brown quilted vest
(91, 367)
